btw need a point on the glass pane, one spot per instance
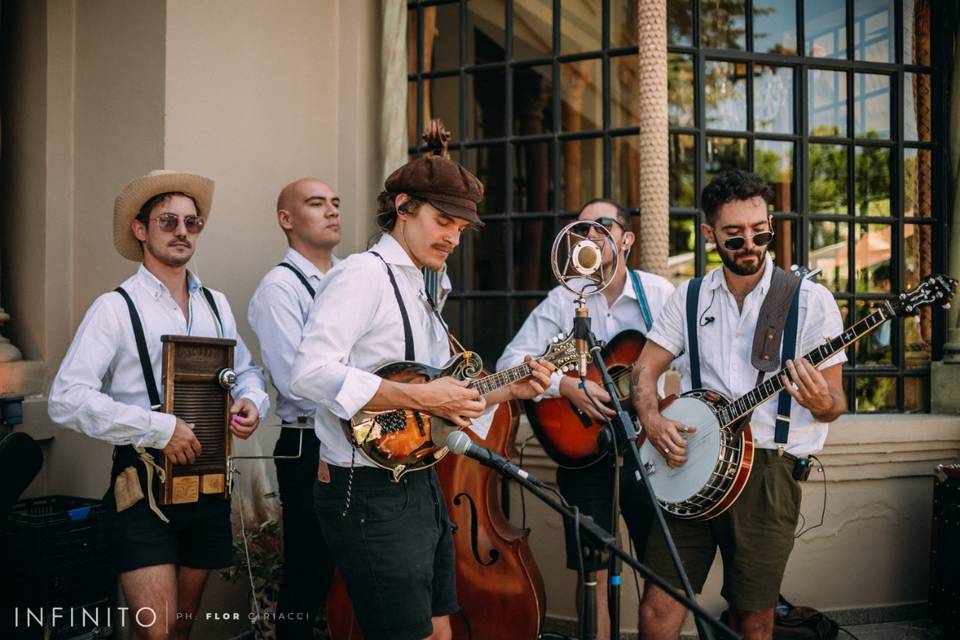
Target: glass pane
(531, 176)
(412, 41)
(483, 252)
(522, 308)
(531, 254)
(451, 308)
(774, 161)
(917, 253)
(872, 254)
(581, 92)
(679, 22)
(581, 25)
(827, 103)
(680, 87)
(828, 251)
(487, 89)
(581, 172)
(773, 99)
(827, 165)
(725, 93)
(441, 37)
(413, 137)
(775, 26)
(876, 393)
(487, 328)
(917, 183)
(625, 171)
(916, 394)
(825, 28)
(441, 99)
(532, 104)
(876, 347)
(488, 163)
(532, 29)
(872, 106)
(682, 263)
(916, 32)
(917, 106)
(724, 154)
(485, 22)
(872, 181)
(623, 22)
(683, 157)
(723, 24)
(873, 30)
(781, 249)
(917, 339)
(625, 92)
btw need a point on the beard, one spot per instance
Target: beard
(729, 259)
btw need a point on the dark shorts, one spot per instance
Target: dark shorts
(755, 537)
(591, 490)
(394, 548)
(198, 535)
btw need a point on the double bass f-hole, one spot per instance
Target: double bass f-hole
(474, 538)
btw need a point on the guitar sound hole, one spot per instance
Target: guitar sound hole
(391, 421)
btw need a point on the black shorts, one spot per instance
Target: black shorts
(198, 534)
(394, 548)
(591, 490)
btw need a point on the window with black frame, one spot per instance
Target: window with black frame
(834, 103)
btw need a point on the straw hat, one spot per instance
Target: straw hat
(136, 193)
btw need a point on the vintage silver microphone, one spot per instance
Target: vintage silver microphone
(577, 262)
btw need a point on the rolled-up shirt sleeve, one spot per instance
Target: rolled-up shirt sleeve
(537, 330)
(321, 370)
(77, 400)
(250, 381)
(669, 328)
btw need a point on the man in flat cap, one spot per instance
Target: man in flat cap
(107, 388)
(392, 540)
(308, 213)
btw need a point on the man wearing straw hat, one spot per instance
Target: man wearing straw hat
(103, 390)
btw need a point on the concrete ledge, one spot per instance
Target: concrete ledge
(21, 379)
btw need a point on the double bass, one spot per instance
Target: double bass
(499, 586)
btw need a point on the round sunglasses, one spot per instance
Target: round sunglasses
(583, 229)
(169, 222)
(736, 243)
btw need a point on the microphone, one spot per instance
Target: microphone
(585, 257)
(581, 326)
(707, 321)
(459, 443)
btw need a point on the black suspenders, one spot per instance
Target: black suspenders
(408, 351)
(301, 277)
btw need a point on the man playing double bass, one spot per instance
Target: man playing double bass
(755, 535)
(392, 540)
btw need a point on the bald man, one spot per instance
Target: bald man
(308, 212)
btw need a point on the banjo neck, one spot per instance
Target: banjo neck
(742, 406)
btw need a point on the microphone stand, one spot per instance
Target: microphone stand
(626, 433)
(608, 542)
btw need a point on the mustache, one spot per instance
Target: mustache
(443, 247)
(174, 243)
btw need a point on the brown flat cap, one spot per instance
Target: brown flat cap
(442, 182)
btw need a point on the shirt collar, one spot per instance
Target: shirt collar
(716, 279)
(153, 285)
(392, 253)
(306, 267)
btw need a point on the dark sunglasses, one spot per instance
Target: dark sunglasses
(583, 228)
(736, 242)
(170, 221)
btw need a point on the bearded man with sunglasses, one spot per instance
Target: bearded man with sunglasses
(163, 555)
(755, 536)
(632, 301)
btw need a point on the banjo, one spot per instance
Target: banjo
(720, 452)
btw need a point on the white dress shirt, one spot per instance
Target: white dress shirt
(354, 327)
(726, 344)
(555, 313)
(99, 389)
(277, 313)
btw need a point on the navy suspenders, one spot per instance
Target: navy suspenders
(693, 303)
(301, 277)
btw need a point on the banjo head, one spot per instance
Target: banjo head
(679, 484)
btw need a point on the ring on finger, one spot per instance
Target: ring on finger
(666, 451)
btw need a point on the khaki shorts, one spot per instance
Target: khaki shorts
(755, 538)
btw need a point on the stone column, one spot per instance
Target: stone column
(393, 83)
(654, 169)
